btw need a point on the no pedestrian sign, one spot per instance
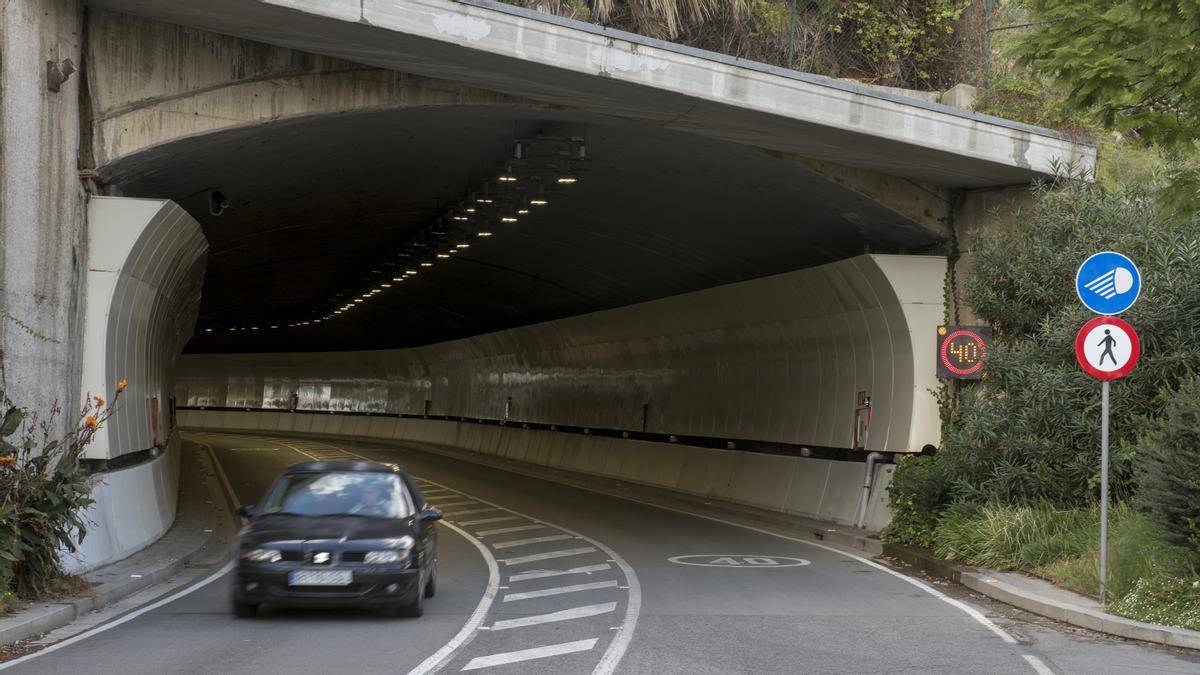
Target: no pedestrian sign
(1107, 348)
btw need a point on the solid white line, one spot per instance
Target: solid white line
(970, 611)
(448, 505)
(565, 553)
(507, 530)
(484, 521)
(1038, 665)
(124, 619)
(554, 617)
(530, 654)
(534, 540)
(474, 511)
(471, 628)
(542, 574)
(620, 644)
(560, 590)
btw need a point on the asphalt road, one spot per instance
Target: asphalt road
(538, 577)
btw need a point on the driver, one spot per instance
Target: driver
(373, 502)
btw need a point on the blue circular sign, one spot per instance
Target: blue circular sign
(1108, 283)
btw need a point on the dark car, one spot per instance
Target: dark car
(338, 533)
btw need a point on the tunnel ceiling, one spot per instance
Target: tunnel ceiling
(316, 204)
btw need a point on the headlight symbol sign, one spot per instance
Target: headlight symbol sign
(1108, 283)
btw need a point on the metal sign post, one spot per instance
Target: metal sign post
(1107, 348)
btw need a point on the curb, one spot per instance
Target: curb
(41, 618)
(985, 583)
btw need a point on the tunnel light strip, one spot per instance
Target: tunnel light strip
(538, 167)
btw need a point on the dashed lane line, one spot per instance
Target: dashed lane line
(485, 521)
(555, 617)
(560, 590)
(532, 540)
(509, 530)
(450, 505)
(549, 555)
(471, 512)
(530, 654)
(543, 574)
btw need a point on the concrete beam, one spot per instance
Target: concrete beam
(522, 53)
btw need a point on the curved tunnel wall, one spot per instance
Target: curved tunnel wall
(146, 265)
(778, 359)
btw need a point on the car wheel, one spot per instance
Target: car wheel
(245, 610)
(431, 585)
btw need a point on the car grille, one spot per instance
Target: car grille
(354, 556)
(292, 556)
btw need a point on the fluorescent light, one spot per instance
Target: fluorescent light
(426, 264)
(508, 179)
(385, 285)
(358, 299)
(443, 255)
(470, 210)
(485, 234)
(410, 272)
(207, 330)
(459, 217)
(538, 202)
(462, 246)
(508, 219)
(522, 211)
(483, 200)
(567, 180)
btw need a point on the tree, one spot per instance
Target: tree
(1170, 482)
(1133, 64)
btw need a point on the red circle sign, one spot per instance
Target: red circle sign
(974, 342)
(1107, 348)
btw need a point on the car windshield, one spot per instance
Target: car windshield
(338, 493)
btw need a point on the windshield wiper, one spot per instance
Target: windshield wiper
(285, 513)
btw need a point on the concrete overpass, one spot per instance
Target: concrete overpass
(351, 219)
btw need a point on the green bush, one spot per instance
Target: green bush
(1169, 455)
(1029, 433)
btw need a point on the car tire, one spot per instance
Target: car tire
(431, 585)
(245, 610)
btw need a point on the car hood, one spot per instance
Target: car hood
(280, 528)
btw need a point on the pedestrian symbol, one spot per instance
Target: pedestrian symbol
(1108, 283)
(1107, 348)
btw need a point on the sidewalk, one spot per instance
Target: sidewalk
(202, 520)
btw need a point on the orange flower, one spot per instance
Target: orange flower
(7, 460)
(99, 401)
(90, 422)
(121, 385)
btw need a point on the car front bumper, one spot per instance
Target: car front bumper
(378, 587)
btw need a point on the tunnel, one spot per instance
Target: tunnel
(576, 281)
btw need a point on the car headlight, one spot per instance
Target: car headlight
(383, 557)
(262, 555)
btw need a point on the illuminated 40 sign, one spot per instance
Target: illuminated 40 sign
(961, 351)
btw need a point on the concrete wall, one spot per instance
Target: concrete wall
(815, 488)
(133, 508)
(143, 293)
(778, 359)
(42, 254)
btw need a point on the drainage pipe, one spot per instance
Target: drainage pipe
(868, 481)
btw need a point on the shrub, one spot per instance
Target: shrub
(1169, 454)
(43, 493)
(919, 490)
(1167, 600)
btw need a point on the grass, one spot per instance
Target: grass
(1146, 578)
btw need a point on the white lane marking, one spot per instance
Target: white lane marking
(464, 502)
(124, 619)
(559, 590)
(484, 521)
(508, 530)
(530, 654)
(761, 562)
(438, 491)
(542, 574)
(533, 540)
(470, 512)
(565, 553)
(633, 606)
(1038, 664)
(970, 611)
(554, 617)
(471, 628)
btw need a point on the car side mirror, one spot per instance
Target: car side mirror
(431, 513)
(247, 510)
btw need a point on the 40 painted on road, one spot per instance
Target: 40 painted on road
(761, 562)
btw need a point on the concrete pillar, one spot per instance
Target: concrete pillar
(42, 255)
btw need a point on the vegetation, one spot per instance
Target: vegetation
(43, 495)
(921, 44)
(1169, 454)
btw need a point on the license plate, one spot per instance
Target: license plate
(319, 578)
